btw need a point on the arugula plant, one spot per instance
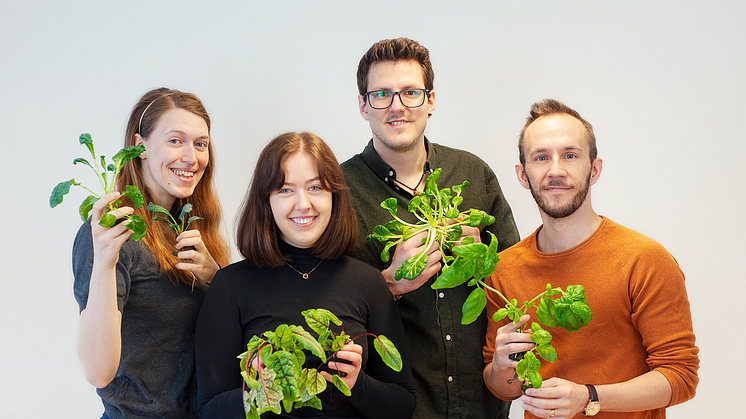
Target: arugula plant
(554, 308)
(180, 225)
(107, 175)
(286, 382)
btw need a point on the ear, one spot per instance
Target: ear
(362, 106)
(521, 175)
(596, 169)
(430, 103)
(140, 141)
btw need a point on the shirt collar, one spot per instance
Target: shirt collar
(386, 172)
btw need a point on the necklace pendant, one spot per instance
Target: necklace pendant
(305, 276)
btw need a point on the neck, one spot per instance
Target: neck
(560, 234)
(407, 164)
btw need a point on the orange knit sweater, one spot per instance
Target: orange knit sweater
(641, 317)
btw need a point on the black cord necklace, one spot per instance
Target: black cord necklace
(414, 190)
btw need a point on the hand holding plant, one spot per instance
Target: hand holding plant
(275, 370)
(106, 174)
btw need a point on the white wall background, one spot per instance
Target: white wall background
(661, 81)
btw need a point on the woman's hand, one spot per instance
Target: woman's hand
(197, 261)
(107, 241)
(352, 353)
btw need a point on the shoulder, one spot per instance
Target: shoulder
(625, 240)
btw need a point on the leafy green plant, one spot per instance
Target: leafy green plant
(554, 308)
(286, 382)
(180, 225)
(437, 213)
(106, 174)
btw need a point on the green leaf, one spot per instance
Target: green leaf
(456, 200)
(107, 220)
(191, 220)
(318, 319)
(388, 352)
(138, 226)
(283, 364)
(306, 341)
(315, 382)
(390, 205)
(473, 306)
(431, 185)
(459, 272)
(380, 233)
(249, 408)
(186, 209)
(500, 314)
(86, 206)
(59, 191)
(88, 141)
(157, 209)
(535, 378)
(385, 255)
(341, 385)
(133, 193)
(547, 352)
(126, 154)
(84, 161)
(539, 336)
(269, 395)
(313, 402)
(472, 251)
(544, 312)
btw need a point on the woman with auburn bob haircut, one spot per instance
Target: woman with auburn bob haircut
(296, 225)
(138, 302)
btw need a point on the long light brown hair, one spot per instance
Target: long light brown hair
(160, 239)
(258, 236)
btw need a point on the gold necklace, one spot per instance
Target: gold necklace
(305, 276)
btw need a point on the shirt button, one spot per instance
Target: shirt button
(391, 173)
(450, 378)
(385, 179)
(448, 337)
(441, 295)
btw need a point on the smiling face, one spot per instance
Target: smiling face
(397, 128)
(558, 169)
(175, 157)
(301, 207)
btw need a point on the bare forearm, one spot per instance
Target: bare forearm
(99, 339)
(503, 383)
(648, 391)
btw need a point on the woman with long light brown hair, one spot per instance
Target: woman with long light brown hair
(139, 303)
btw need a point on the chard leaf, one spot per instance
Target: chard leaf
(412, 267)
(473, 306)
(269, 394)
(432, 181)
(388, 352)
(318, 319)
(86, 206)
(59, 191)
(315, 383)
(390, 206)
(313, 402)
(192, 219)
(380, 233)
(111, 168)
(385, 255)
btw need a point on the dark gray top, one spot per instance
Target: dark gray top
(156, 376)
(447, 360)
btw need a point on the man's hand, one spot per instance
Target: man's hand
(406, 250)
(556, 398)
(509, 341)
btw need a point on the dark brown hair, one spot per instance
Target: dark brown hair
(553, 106)
(399, 49)
(160, 238)
(257, 234)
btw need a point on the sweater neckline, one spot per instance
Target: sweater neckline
(300, 259)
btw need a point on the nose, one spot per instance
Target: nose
(396, 102)
(189, 154)
(556, 169)
(302, 200)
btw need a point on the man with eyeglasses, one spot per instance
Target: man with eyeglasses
(395, 81)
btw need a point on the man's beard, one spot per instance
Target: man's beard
(567, 210)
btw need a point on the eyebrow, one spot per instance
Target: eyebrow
(178, 131)
(316, 179)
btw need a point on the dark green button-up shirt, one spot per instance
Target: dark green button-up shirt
(446, 356)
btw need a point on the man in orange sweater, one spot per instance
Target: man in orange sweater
(637, 356)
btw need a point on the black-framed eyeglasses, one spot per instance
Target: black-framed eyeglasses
(382, 99)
